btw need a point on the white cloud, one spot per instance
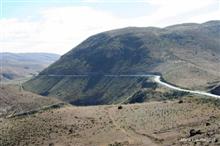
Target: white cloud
(176, 11)
(59, 29)
(210, 16)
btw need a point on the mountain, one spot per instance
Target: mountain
(187, 55)
(20, 65)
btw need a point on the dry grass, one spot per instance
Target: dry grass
(154, 123)
(13, 100)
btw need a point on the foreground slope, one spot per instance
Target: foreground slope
(20, 65)
(187, 55)
(191, 121)
(13, 101)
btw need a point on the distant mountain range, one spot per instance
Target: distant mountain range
(20, 65)
(187, 55)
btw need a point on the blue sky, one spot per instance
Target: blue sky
(59, 25)
(123, 8)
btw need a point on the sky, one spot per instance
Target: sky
(57, 26)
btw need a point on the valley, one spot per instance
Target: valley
(181, 119)
(135, 86)
(20, 67)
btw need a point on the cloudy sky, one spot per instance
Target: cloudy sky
(59, 25)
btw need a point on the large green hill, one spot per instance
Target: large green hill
(187, 55)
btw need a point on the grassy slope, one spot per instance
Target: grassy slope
(88, 90)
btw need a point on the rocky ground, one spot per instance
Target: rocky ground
(190, 121)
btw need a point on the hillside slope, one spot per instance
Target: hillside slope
(192, 122)
(19, 65)
(216, 90)
(13, 100)
(187, 55)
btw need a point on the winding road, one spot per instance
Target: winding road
(158, 80)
